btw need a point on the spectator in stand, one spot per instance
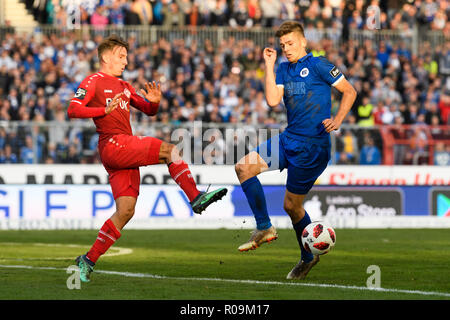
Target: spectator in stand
(344, 159)
(51, 155)
(378, 113)
(185, 6)
(173, 16)
(383, 54)
(370, 155)
(72, 155)
(219, 13)
(444, 107)
(389, 114)
(350, 146)
(194, 18)
(431, 110)
(144, 10)
(7, 156)
(99, 18)
(365, 113)
(116, 13)
(417, 151)
(442, 154)
(27, 152)
(271, 10)
(240, 17)
(158, 16)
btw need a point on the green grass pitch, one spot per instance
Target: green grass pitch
(205, 264)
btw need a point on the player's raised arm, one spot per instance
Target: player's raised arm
(150, 104)
(347, 100)
(274, 93)
(78, 105)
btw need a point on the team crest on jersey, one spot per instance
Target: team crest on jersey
(127, 93)
(80, 94)
(304, 72)
(335, 72)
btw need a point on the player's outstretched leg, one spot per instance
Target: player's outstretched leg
(181, 174)
(199, 200)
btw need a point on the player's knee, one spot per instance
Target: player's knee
(241, 169)
(289, 207)
(169, 152)
(126, 213)
(295, 211)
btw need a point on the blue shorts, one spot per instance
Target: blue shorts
(305, 159)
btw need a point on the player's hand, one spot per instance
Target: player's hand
(152, 92)
(331, 124)
(114, 103)
(270, 56)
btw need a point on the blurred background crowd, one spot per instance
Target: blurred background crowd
(399, 15)
(223, 83)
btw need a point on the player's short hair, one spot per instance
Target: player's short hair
(109, 44)
(288, 27)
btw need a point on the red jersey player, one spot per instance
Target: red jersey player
(107, 99)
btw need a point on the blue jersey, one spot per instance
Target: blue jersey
(307, 95)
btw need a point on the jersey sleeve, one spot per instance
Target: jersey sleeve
(78, 104)
(147, 107)
(328, 72)
(279, 75)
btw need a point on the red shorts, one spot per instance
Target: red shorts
(122, 156)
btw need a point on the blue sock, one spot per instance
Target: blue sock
(255, 196)
(299, 227)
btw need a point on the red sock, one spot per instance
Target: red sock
(107, 235)
(183, 177)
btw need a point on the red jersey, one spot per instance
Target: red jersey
(95, 93)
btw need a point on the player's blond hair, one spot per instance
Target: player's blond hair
(110, 43)
(288, 27)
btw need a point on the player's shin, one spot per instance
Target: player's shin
(107, 236)
(180, 173)
(299, 227)
(255, 196)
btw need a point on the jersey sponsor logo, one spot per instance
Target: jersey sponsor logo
(107, 91)
(295, 88)
(122, 104)
(80, 94)
(127, 93)
(304, 72)
(335, 72)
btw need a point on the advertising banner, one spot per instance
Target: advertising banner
(351, 202)
(335, 175)
(440, 202)
(166, 207)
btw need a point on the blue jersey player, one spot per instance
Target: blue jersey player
(304, 83)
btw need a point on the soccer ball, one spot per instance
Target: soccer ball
(318, 238)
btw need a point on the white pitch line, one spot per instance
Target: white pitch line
(115, 251)
(296, 284)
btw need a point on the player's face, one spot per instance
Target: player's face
(116, 60)
(293, 45)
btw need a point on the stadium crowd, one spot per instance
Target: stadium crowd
(223, 83)
(400, 15)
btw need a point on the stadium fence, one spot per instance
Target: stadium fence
(405, 144)
(260, 36)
